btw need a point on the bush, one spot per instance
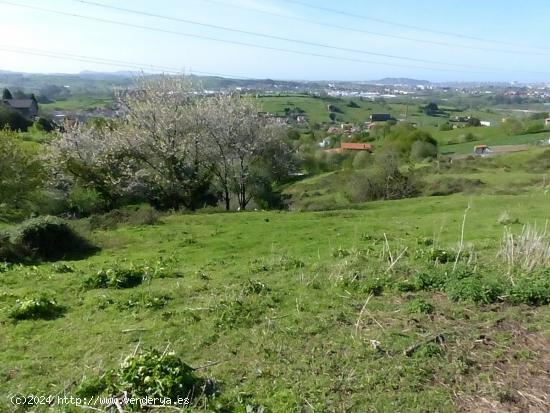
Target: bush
(49, 238)
(475, 288)
(85, 201)
(533, 289)
(467, 137)
(142, 215)
(420, 306)
(115, 278)
(149, 374)
(429, 280)
(40, 307)
(13, 119)
(423, 150)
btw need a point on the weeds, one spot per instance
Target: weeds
(35, 308)
(149, 374)
(420, 306)
(528, 250)
(115, 278)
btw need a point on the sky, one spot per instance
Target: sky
(470, 40)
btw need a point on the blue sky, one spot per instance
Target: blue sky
(520, 31)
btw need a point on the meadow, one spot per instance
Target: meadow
(367, 310)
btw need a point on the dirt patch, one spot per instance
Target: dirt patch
(517, 380)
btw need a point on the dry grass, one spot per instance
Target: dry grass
(528, 250)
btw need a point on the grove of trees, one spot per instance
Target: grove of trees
(175, 149)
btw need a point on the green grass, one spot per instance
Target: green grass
(77, 103)
(295, 312)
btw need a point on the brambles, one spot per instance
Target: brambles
(40, 307)
(115, 278)
(482, 290)
(420, 306)
(149, 374)
(50, 239)
(532, 289)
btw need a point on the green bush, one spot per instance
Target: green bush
(420, 306)
(140, 215)
(49, 238)
(481, 290)
(35, 308)
(442, 256)
(115, 278)
(150, 373)
(532, 289)
(430, 280)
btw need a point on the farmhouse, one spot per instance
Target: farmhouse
(380, 117)
(547, 122)
(26, 107)
(485, 123)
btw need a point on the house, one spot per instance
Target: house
(380, 117)
(547, 122)
(348, 146)
(26, 107)
(485, 123)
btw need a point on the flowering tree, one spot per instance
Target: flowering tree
(172, 145)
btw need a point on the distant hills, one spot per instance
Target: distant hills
(400, 81)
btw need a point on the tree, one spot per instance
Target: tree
(163, 138)
(154, 152)
(6, 94)
(13, 119)
(21, 171)
(244, 151)
(94, 158)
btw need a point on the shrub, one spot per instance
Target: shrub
(149, 374)
(49, 238)
(85, 201)
(421, 150)
(467, 137)
(442, 256)
(444, 127)
(506, 219)
(10, 252)
(476, 289)
(533, 289)
(430, 280)
(35, 308)
(448, 186)
(115, 278)
(420, 306)
(372, 285)
(142, 215)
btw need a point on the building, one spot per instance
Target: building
(547, 122)
(26, 107)
(485, 123)
(482, 150)
(380, 117)
(348, 146)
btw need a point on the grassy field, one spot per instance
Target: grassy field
(77, 103)
(298, 312)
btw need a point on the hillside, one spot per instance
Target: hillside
(295, 312)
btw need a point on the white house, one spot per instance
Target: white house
(485, 123)
(547, 122)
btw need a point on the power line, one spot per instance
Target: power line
(266, 36)
(407, 26)
(225, 41)
(369, 32)
(108, 62)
